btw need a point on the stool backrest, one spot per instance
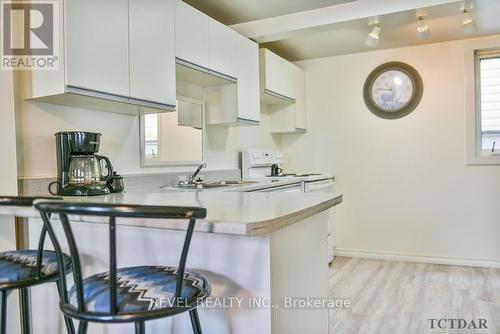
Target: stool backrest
(27, 201)
(111, 211)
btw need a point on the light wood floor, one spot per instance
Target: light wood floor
(399, 297)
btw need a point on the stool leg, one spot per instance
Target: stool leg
(195, 321)
(140, 327)
(25, 311)
(82, 327)
(3, 312)
(70, 328)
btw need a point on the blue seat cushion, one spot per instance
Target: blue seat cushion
(141, 289)
(20, 265)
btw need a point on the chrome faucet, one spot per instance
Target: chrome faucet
(192, 178)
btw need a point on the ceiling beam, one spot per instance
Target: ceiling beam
(286, 26)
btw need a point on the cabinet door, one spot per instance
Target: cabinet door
(289, 78)
(223, 49)
(273, 71)
(97, 45)
(300, 99)
(152, 51)
(191, 35)
(248, 79)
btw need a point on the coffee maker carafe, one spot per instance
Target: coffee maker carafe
(78, 166)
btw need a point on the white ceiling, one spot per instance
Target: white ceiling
(398, 30)
(346, 33)
(236, 11)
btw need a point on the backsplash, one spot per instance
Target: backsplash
(39, 186)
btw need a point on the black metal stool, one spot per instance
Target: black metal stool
(121, 295)
(21, 269)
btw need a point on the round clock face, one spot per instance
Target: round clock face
(392, 90)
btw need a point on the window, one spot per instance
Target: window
(151, 135)
(488, 102)
(173, 138)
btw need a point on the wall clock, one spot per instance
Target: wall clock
(393, 90)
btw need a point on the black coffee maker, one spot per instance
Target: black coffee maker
(78, 166)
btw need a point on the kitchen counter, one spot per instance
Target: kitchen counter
(243, 213)
(252, 246)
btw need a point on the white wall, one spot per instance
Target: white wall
(8, 180)
(407, 188)
(8, 165)
(120, 139)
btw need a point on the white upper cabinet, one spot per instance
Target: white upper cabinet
(237, 104)
(248, 80)
(283, 89)
(126, 55)
(152, 51)
(271, 71)
(191, 35)
(223, 48)
(97, 45)
(300, 99)
(289, 78)
(116, 55)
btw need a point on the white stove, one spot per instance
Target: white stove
(256, 164)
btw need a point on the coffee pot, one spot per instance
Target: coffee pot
(79, 171)
(86, 170)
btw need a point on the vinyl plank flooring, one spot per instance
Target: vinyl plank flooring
(400, 297)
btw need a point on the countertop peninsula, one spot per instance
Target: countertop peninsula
(240, 213)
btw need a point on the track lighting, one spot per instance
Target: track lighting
(373, 36)
(468, 25)
(423, 31)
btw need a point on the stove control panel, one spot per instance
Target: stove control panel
(257, 162)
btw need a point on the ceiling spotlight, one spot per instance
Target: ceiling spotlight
(468, 25)
(373, 36)
(423, 31)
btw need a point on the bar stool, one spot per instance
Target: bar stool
(130, 294)
(21, 269)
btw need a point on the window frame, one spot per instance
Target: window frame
(156, 162)
(158, 141)
(474, 153)
(478, 56)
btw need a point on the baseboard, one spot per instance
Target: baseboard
(408, 257)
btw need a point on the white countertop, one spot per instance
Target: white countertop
(243, 213)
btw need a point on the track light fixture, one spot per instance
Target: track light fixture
(423, 30)
(468, 25)
(373, 37)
